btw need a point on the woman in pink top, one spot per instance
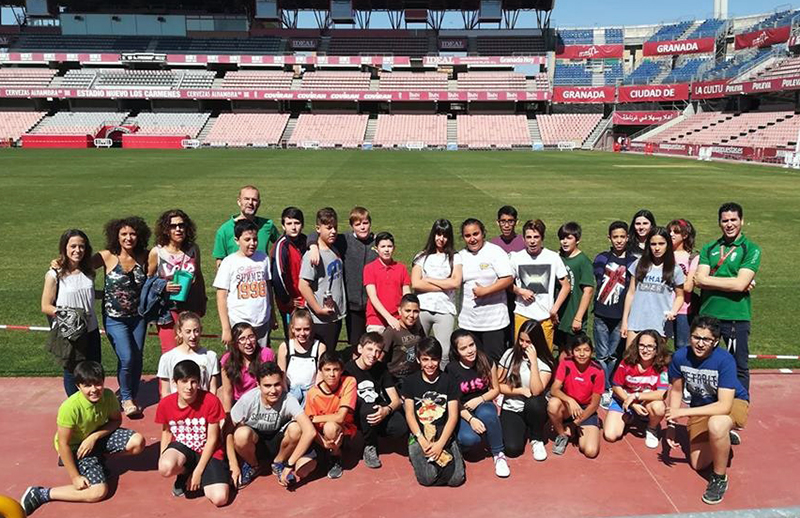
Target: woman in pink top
(683, 234)
(240, 364)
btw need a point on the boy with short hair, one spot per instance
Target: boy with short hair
(331, 404)
(536, 270)
(286, 258)
(88, 428)
(574, 313)
(611, 274)
(270, 426)
(508, 239)
(322, 283)
(386, 281)
(244, 288)
(191, 450)
(378, 402)
(399, 345)
(357, 249)
(719, 403)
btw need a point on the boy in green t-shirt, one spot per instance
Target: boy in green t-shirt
(573, 314)
(88, 428)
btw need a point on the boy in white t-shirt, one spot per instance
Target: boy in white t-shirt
(244, 287)
(536, 270)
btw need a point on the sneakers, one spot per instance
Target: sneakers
(31, 499)
(248, 473)
(539, 451)
(277, 468)
(605, 399)
(179, 487)
(686, 397)
(715, 491)
(651, 438)
(501, 468)
(336, 470)
(560, 445)
(736, 439)
(371, 459)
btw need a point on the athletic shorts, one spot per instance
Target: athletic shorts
(92, 465)
(348, 428)
(216, 471)
(698, 425)
(268, 445)
(592, 420)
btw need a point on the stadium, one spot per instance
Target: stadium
(109, 109)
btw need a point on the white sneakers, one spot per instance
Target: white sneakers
(501, 468)
(651, 438)
(539, 451)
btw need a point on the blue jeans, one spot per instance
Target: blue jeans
(607, 344)
(92, 353)
(127, 336)
(487, 413)
(679, 329)
(736, 334)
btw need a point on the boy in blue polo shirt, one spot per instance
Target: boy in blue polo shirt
(88, 428)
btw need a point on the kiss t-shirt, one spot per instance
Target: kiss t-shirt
(469, 383)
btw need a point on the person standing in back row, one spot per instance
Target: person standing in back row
(725, 275)
(510, 242)
(248, 201)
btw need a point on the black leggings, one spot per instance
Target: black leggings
(492, 343)
(518, 427)
(394, 425)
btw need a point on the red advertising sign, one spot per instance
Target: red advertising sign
(650, 93)
(589, 51)
(669, 48)
(275, 95)
(452, 43)
(583, 94)
(643, 118)
(709, 89)
(763, 38)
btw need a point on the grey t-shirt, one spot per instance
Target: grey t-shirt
(653, 298)
(251, 410)
(326, 276)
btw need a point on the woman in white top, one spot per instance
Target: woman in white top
(71, 285)
(435, 278)
(486, 275)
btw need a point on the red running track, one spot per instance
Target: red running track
(626, 479)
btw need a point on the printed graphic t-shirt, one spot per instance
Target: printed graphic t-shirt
(189, 426)
(538, 274)
(371, 384)
(267, 419)
(247, 281)
(430, 399)
(581, 385)
(704, 377)
(469, 383)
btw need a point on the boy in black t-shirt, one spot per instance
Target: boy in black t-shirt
(431, 407)
(399, 345)
(378, 400)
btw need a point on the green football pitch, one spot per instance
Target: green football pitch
(44, 192)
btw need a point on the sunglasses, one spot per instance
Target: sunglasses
(174, 226)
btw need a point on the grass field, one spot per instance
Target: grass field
(43, 192)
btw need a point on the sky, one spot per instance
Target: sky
(600, 13)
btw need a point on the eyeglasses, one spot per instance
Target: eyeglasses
(506, 221)
(246, 339)
(647, 347)
(707, 340)
(174, 226)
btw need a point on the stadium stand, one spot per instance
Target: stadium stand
(782, 134)
(493, 131)
(14, 124)
(502, 46)
(247, 129)
(687, 71)
(175, 124)
(740, 62)
(614, 36)
(335, 81)
(774, 129)
(413, 81)
(671, 32)
(647, 72)
(779, 19)
(98, 44)
(491, 81)
(707, 29)
(152, 79)
(576, 36)
(692, 125)
(77, 123)
(567, 127)
(26, 77)
(789, 67)
(255, 45)
(572, 74)
(591, 73)
(258, 80)
(401, 130)
(329, 131)
(355, 46)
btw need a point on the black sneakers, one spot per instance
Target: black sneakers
(715, 491)
(31, 500)
(335, 470)
(736, 439)
(179, 488)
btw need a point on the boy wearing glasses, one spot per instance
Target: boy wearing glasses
(719, 403)
(508, 239)
(244, 288)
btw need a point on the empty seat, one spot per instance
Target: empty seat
(14, 124)
(493, 131)
(330, 130)
(258, 80)
(172, 124)
(335, 81)
(567, 127)
(247, 129)
(401, 130)
(77, 123)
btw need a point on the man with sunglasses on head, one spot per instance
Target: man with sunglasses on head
(249, 201)
(725, 275)
(719, 403)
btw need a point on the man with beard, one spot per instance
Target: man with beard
(249, 200)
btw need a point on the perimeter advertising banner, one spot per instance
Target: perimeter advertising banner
(670, 48)
(643, 118)
(589, 51)
(709, 89)
(763, 38)
(583, 94)
(653, 93)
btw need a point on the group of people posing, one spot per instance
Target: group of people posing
(519, 362)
